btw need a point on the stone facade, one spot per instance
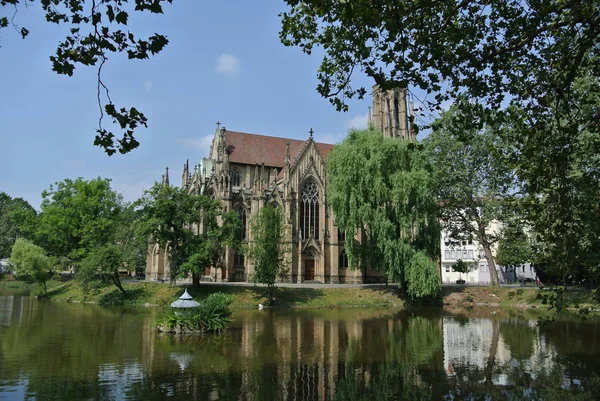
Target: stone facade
(247, 171)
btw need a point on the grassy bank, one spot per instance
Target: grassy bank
(244, 297)
(513, 297)
(455, 297)
(9, 282)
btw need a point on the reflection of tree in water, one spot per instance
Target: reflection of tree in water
(519, 337)
(86, 352)
(411, 361)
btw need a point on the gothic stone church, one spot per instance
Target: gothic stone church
(247, 171)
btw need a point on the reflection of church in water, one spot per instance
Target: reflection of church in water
(247, 171)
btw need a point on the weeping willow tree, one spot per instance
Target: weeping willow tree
(381, 193)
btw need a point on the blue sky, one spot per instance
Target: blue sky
(224, 63)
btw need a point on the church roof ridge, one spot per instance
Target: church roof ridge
(247, 148)
(277, 137)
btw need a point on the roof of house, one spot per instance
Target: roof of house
(247, 148)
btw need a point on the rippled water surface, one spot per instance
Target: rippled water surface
(57, 351)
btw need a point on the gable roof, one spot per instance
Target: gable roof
(247, 148)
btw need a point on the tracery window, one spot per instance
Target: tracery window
(242, 213)
(236, 178)
(341, 235)
(309, 210)
(238, 259)
(343, 262)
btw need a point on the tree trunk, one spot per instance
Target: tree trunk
(43, 287)
(492, 264)
(117, 281)
(195, 279)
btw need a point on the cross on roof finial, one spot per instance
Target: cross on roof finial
(218, 124)
(311, 132)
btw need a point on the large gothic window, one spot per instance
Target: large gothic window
(242, 213)
(309, 212)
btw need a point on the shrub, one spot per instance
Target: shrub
(213, 315)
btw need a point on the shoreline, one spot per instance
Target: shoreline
(249, 296)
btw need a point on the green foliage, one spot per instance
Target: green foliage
(167, 216)
(267, 250)
(422, 277)
(105, 260)
(221, 230)
(557, 159)
(383, 189)
(87, 225)
(514, 248)
(95, 33)
(471, 178)
(30, 260)
(462, 267)
(491, 51)
(17, 219)
(213, 315)
(77, 215)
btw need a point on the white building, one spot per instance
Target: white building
(470, 251)
(4, 268)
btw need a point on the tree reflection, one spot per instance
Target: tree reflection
(59, 351)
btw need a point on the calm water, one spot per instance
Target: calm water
(58, 351)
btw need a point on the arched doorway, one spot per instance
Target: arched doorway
(310, 257)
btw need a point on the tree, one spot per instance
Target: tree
(31, 261)
(209, 247)
(105, 260)
(94, 35)
(169, 216)
(514, 248)
(462, 267)
(557, 161)
(17, 219)
(267, 249)
(77, 216)
(124, 251)
(472, 182)
(382, 190)
(491, 51)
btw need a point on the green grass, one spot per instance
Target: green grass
(515, 297)
(244, 297)
(8, 281)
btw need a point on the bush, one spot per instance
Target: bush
(213, 315)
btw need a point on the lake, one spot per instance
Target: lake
(58, 351)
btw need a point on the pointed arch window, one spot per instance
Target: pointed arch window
(236, 178)
(343, 261)
(309, 210)
(242, 214)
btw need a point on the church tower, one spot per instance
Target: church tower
(391, 113)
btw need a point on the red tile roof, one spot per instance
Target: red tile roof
(257, 149)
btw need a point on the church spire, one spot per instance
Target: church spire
(165, 177)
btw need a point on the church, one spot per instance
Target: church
(247, 171)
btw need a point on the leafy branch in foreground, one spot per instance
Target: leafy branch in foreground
(96, 30)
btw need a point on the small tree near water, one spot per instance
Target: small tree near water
(31, 261)
(266, 250)
(462, 267)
